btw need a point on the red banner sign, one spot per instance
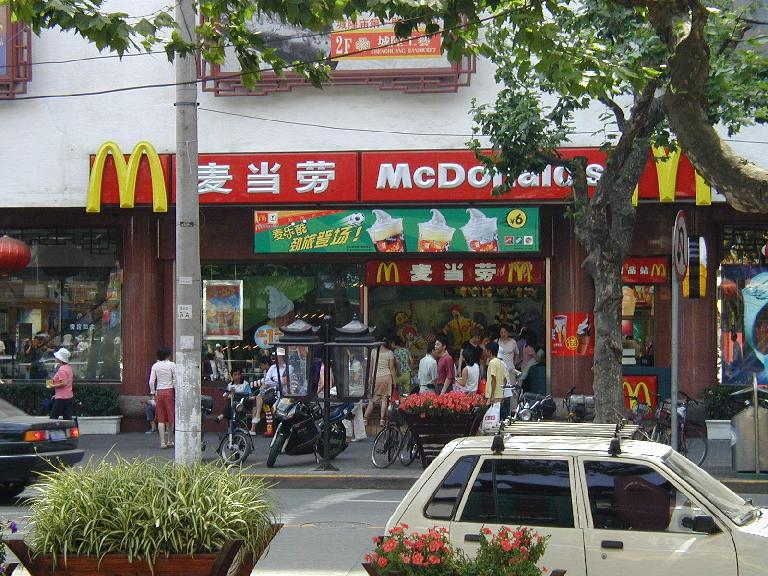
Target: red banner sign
(454, 272)
(654, 270)
(640, 389)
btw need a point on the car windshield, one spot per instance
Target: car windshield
(7, 410)
(728, 502)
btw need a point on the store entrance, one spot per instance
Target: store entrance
(419, 314)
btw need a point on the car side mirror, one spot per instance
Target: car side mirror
(704, 524)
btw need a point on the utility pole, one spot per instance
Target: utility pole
(188, 316)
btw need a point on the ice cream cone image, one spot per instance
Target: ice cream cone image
(628, 301)
(387, 233)
(481, 232)
(435, 235)
(279, 308)
(584, 334)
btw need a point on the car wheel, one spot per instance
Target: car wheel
(10, 490)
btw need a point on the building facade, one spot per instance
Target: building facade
(358, 199)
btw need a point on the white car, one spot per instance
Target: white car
(647, 510)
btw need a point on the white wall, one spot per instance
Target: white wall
(45, 157)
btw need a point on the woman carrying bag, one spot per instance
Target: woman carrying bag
(494, 389)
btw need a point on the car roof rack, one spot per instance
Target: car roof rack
(580, 429)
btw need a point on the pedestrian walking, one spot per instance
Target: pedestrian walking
(162, 388)
(62, 385)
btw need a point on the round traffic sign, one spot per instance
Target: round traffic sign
(680, 246)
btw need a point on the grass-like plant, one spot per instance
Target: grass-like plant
(147, 508)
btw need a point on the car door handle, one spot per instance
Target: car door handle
(613, 544)
(471, 537)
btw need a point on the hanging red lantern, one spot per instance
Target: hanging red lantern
(14, 254)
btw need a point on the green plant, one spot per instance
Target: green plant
(719, 403)
(11, 527)
(27, 396)
(507, 553)
(146, 508)
(95, 401)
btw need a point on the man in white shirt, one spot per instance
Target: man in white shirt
(427, 372)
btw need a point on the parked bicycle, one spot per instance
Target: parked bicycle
(392, 442)
(691, 437)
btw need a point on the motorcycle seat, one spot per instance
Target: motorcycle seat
(338, 410)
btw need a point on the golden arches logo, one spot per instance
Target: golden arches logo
(634, 393)
(659, 270)
(127, 173)
(386, 271)
(520, 271)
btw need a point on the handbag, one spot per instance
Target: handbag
(492, 419)
(481, 386)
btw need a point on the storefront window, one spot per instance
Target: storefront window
(272, 295)
(637, 323)
(742, 299)
(70, 296)
(418, 314)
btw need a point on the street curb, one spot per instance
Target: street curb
(744, 486)
(326, 481)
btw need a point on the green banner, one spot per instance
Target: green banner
(398, 230)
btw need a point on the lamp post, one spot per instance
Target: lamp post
(347, 364)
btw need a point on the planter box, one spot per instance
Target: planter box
(432, 433)
(230, 560)
(99, 424)
(719, 430)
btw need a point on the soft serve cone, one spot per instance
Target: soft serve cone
(481, 232)
(387, 233)
(435, 235)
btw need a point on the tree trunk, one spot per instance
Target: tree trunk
(605, 225)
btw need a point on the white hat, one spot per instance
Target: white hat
(281, 351)
(62, 354)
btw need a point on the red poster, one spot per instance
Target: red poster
(642, 389)
(454, 272)
(654, 270)
(572, 334)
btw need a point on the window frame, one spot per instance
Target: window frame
(572, 476)
(18, 53)
(696, 501)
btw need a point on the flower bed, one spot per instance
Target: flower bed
(509, 552)
(436, 420)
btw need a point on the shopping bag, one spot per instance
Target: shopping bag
(492, 419)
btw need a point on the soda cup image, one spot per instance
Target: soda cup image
(561, 322)
(435, 235)
(387, 233)
(481, 232)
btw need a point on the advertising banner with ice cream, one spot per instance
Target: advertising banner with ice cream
(398, 230)
(571, 334)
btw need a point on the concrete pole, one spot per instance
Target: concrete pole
(188, 316)
(675, 350)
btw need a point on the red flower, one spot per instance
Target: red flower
(389, 545)
(434, 559)
(383, 561)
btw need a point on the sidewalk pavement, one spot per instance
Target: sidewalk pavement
(355, 469)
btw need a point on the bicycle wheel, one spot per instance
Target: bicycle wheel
(385, 447)
(693, 443)
(662, 435)
(234, 452)
(408, 449)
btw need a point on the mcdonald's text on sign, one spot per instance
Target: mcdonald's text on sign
(652, 270)
(454, 272)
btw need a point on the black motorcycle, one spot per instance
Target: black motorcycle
(300, 430)
(532, 407)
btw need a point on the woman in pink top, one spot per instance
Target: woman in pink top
(62, 385)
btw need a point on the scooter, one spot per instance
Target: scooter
(532, 407)
(300, 430)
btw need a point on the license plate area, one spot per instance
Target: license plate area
(58, 435)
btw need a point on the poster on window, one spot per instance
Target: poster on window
(222, 309)
(744, 323)
(571, 334)
(642, 389)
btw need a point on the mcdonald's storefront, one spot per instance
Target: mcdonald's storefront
(414, 242)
